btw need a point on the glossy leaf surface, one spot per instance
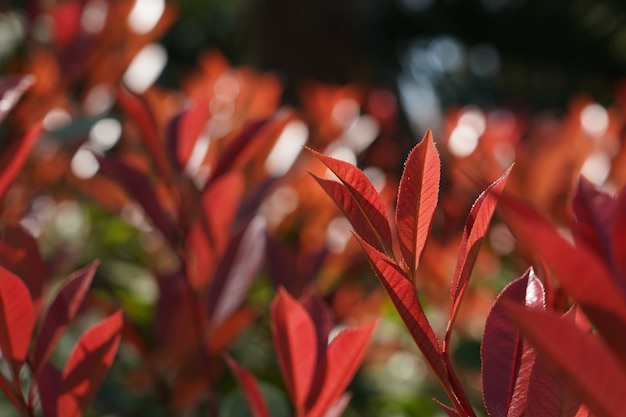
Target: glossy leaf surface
(16, 318)
(584, 365)
(360, 202)
(417, 199)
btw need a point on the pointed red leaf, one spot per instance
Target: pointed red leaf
(139, 187)
(473, 235)
(49, 386)
(592, 212)
(61, 312)
(417, 199)
(11, 90)
(402, 293)
(88, 364)
(295, 342)
(209, 234)
(506, 360)
(359, 201)
(13, 158)
(16, 319)
(250, 389)
(238, 148)
(138, 110)
(580, 360)
(184, 130)
(236, 272)
(19, 253)
(580, 272)
(337, 409)
(344, 356)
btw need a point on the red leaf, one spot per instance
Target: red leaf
(547, 397)
(88, 364)
(16, 319)
(235, 150)
(618, 238)
(61, 312)
(296, 346)
(506, 360)
(592, 212)
(417, 199)
(344, 356)
(209, 234)
(473, 235)
(359, 201)
(7, 389)
(250, 389)
(11, 90)
(50, 385)
(184, 130)
(138, 110)
(13, 158)
(19, 253)
(236, 271)
(138, 186)
(580, 272)
(402, 293)
(584, 365)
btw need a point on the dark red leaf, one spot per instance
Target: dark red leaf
(16, 319)
(580, 272)
(88, 364)
(547, 396)
(19, 253)
(250, 389)
(473, 235)
(506, 360)
(323, 323)
(184, 130)
(295, 342)
(61, 312)
(139, 187)
(237, 148)
(403, 295)
(11, 90)
(13, 158)
(592, 212)
(209, 234)
(50, 385)
(344, 356)
(238, 268)
(618, 238)
(418, 194)
(359, 201)
(138, 110)
(579, 359)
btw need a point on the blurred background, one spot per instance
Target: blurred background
(535, 82)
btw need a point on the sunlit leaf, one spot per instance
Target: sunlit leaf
(473, 234)
(295, 342)
(61, 312)
(88, 364)
(507, 361)
(417, 199)
(16, 319)
(359, 201)
(402, 293)
(344, 356)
